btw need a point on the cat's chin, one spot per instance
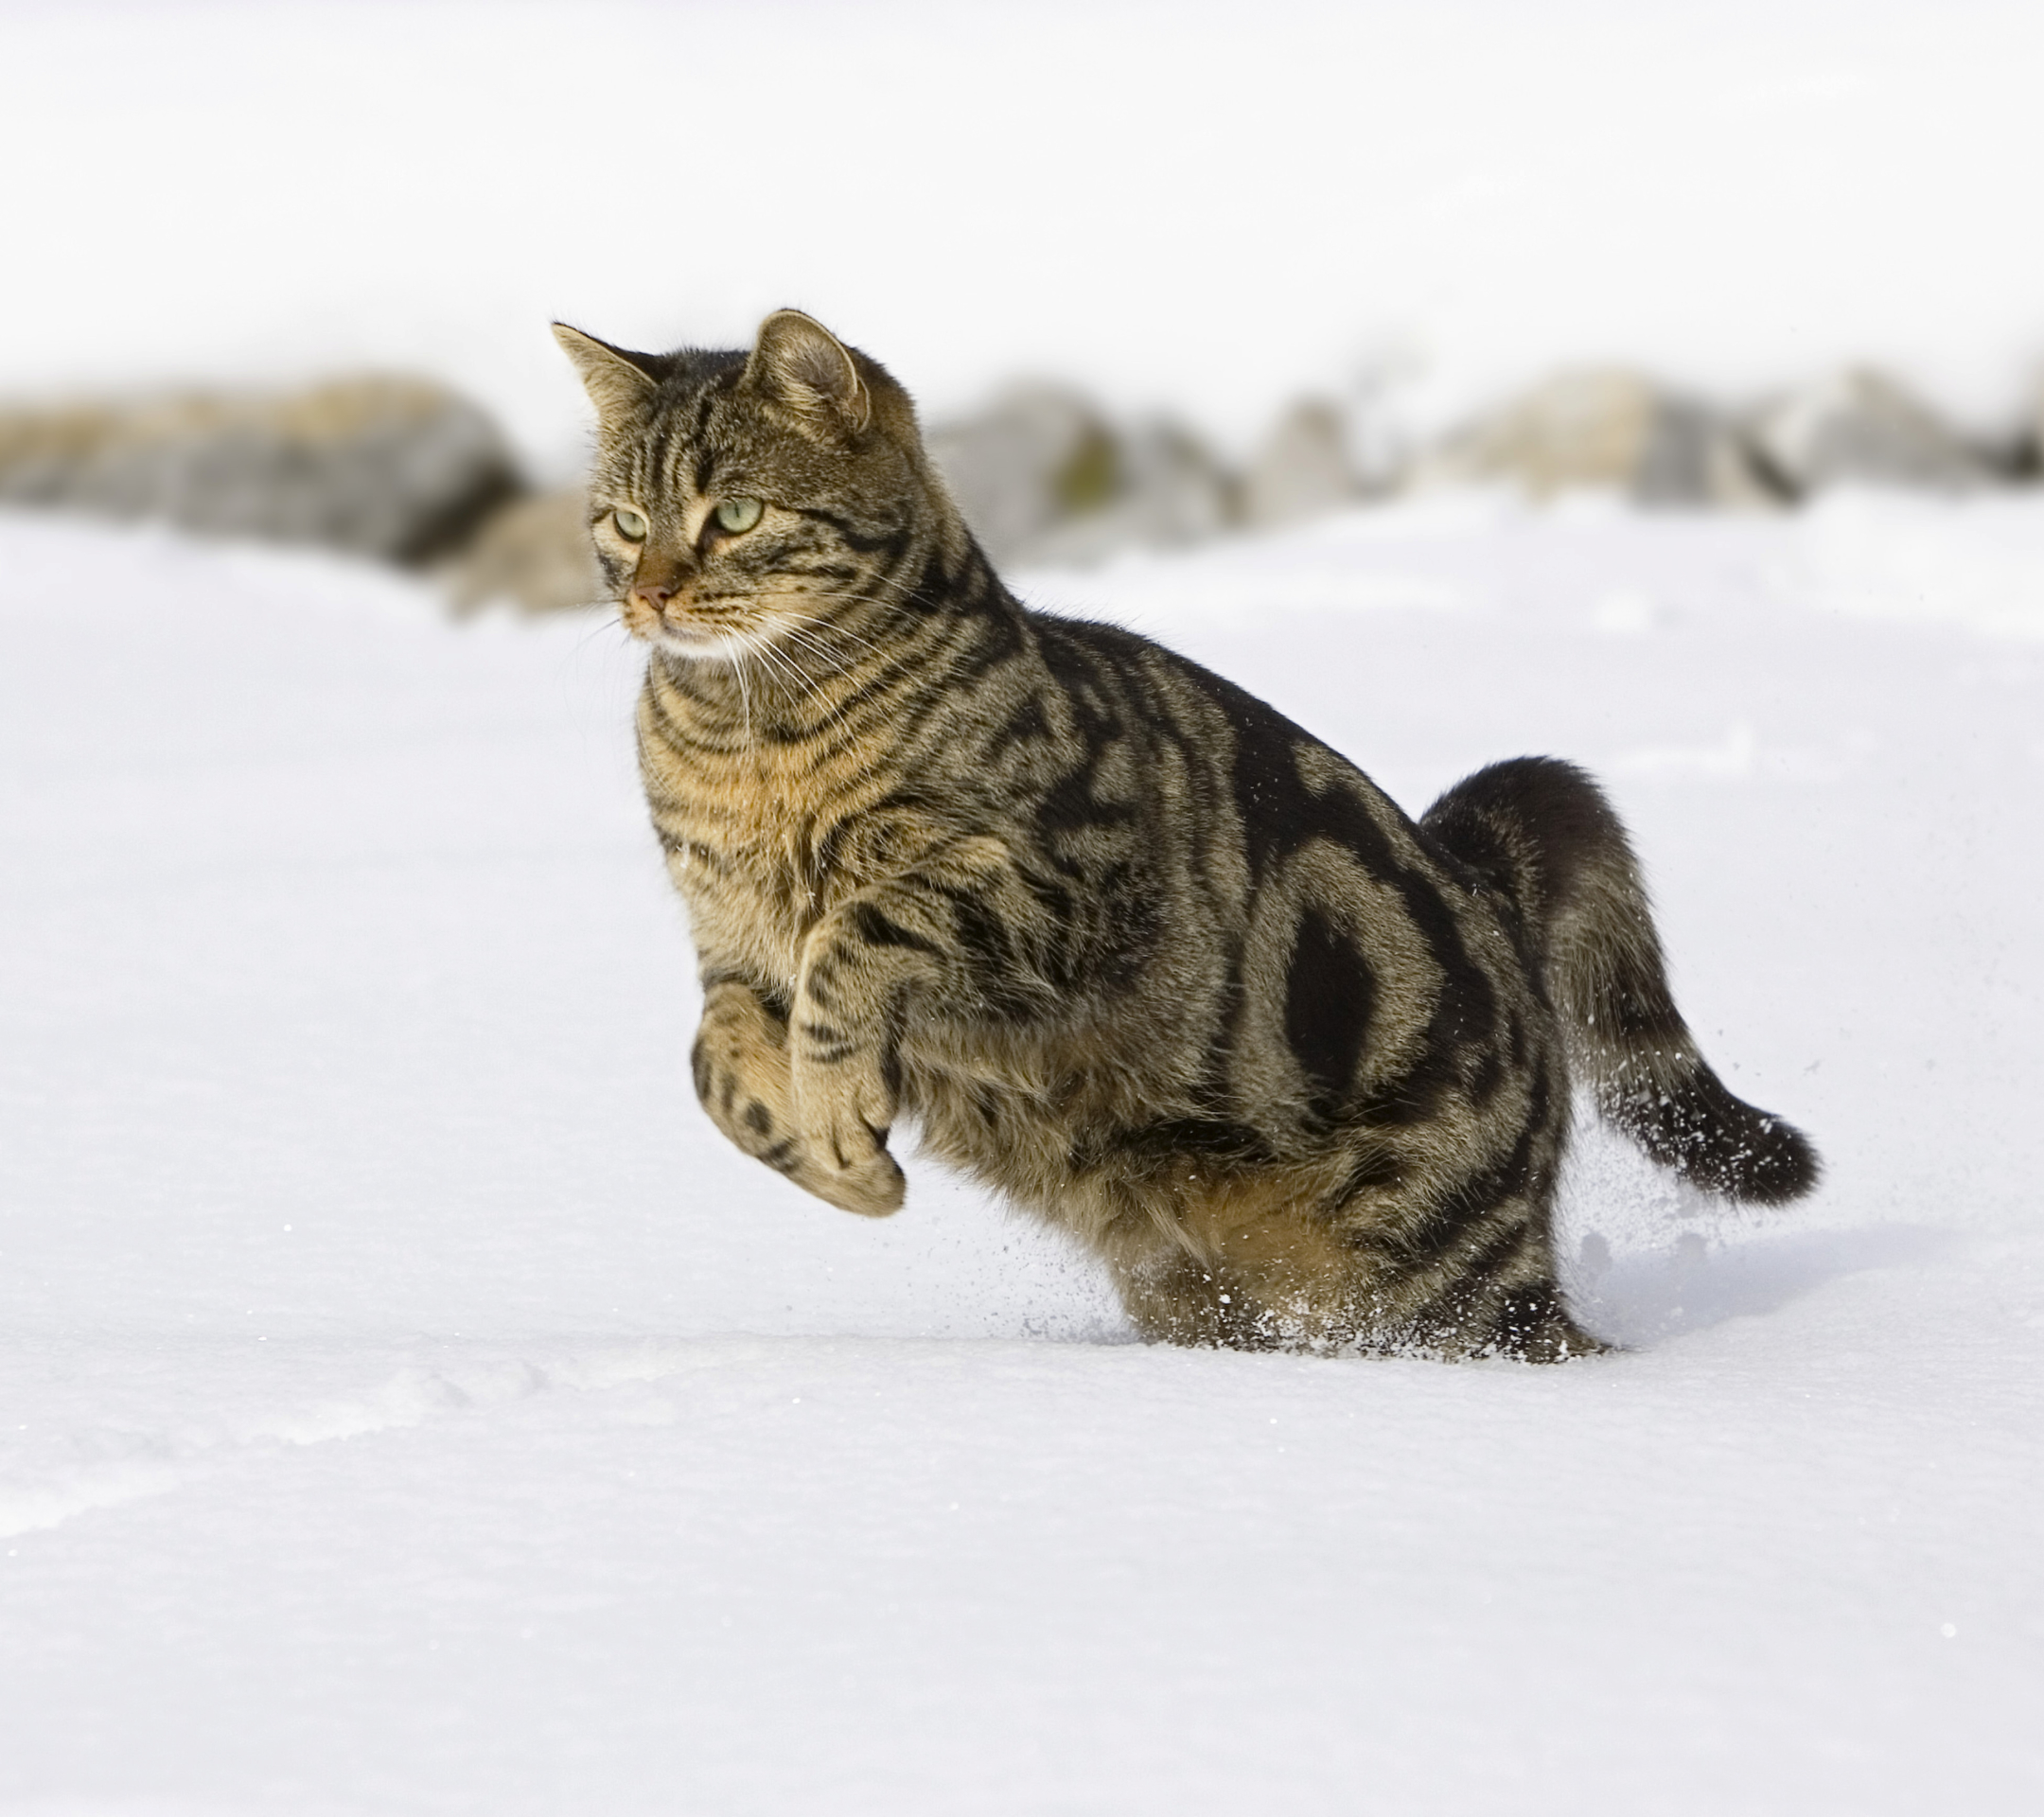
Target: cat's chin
(698, 647)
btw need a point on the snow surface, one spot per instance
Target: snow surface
(409, 1404)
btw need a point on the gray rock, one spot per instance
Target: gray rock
(1035, 459)
(390, 468)
(1169, 491)
(1302, 470)
(1607, 428)
(2026, 449)
(1042, 476)
(535, 552)
(1861, 426)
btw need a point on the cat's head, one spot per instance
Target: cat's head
(742, 498)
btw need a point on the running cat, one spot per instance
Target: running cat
(1125, 942)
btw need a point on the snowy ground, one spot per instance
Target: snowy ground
(410, 1405)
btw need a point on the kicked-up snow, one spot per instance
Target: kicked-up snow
(409, 1404)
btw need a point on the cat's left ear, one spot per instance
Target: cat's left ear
(800, 364)
(618, 385)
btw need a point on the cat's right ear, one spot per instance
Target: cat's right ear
(617, 384)
(802, 367)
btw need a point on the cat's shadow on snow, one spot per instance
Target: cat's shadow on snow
(1645, 1259)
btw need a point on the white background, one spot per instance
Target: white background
(1200, 208)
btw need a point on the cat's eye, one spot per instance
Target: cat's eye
(631, 527)
(737, 516)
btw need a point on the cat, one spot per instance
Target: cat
(1127, 944)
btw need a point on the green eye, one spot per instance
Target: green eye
(631, 527)
(738, 515)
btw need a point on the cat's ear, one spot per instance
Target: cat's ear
(800, 364)
(618, 385)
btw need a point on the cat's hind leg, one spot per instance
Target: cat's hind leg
(1260, 1268)
(740, 1065)
(1248, 1265)
(1179, 1299)
(1176, 1299)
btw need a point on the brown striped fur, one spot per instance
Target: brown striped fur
(1124, 943)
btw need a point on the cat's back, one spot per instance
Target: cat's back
(1260, 782)
(1343, 936)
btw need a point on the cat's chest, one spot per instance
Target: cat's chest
(763, 842)
(751, 885)
(759, 855)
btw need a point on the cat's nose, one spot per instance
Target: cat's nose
(659, 578)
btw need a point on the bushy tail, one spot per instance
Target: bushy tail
(1542, 831)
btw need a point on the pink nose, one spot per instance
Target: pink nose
(652, 594)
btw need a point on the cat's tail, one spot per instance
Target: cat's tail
(1542, 831)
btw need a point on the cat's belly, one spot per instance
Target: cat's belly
(1119, 1129)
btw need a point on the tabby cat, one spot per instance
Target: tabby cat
(1126, 944)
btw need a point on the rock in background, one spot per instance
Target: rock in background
(536, 554)
(1043, 476)
(1302, 469)
(1859, 426)
(1607, 429)
(1163, 490)
(407, 472)
(1035, 459)
(394, 469)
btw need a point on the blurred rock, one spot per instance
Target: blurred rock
(1169, 491)
(394, 469)
(535, 552)
(1302, 470)
(1607, 429)
(1376, 418)
(1861, 426)
(1042, 476)
(1035, 458)
(2026, 455)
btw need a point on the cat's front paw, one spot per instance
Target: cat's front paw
(846, 1109)
(873, 1190)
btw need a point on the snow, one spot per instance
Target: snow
(409, 1404)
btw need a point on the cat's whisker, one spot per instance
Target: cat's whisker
(877, 591)
(738, 670)
(817, 625)
(614, 623)
(811, 688)
(806, 639)
(808, 683)
(771, 660)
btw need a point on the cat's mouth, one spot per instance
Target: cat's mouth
(676, 630)
(698, 642)
(702, 645)
(735, 627)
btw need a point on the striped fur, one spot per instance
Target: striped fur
(1124, 943)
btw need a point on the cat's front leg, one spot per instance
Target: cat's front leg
(960, 937)
(843, 1085)
(742, 1075)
